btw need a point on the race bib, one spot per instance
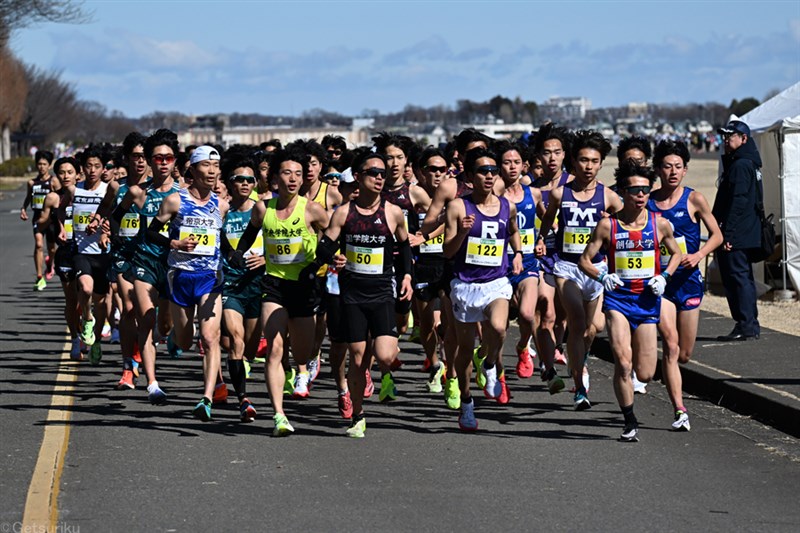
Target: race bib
(665, 255)
(434, 245)
(635, 265)
(82, 219)
(129, 226)
(256, 249)
(164, 229)
(206, 239)
(528, 239)
(485, 252)
(364, 260)
(285, 251)
(68, 228)
(38, 201)
(575, 239)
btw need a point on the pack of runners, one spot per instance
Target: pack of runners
(260, 251)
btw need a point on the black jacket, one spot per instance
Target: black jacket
(735, 205)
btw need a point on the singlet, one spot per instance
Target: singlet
(289, 246)
(401, 197)
(84, 205)
(39, 191)
(482, 256)
(234, 225)
(526, 222)
(634, 254)
(684, 227)
(69, 240)
(432, 250)
(322, 195)
(550, 240)
(367, 241)
(204, 221)
(152, 203)
(129, 226)
(576, 221)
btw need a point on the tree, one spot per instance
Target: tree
(51, 107)
(18, 14)
(739, 108)
(13, 90)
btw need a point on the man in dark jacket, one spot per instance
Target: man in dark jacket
(735, 209)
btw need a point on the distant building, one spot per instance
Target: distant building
(565, 109)
(357, 135)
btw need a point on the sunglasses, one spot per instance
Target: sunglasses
(332, 176)
(334, 152)
(636, 189)
(109, 166)
(136, 157)
(487, 170)
(242, 179)
(163, 159)
(431, 168)
(374, 172)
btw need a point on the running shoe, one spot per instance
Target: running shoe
(247, 413)
(435, 378)
(477, 364)
(524, 363)
(282, 426)
(220, 393)
(466, 420)
(452, 394)
(262, 351)
(492, 387)
(388, 390)
(84, 347)
(156, 395)
(136, 360)
(174, 351)
(505, 395)
(301, 385)
(126, 381)
(369, 388)
(246, 368)
(106, 332)
(95, 354)
(345, 405)
(313, 369)
(630, 433)
(426, 365)
(40, 284)
(114, 336)
(396, 364)
(681, 421)
(75, 352)
(582, 402)
(357, 428)
(554, 382)
(584, 380)
(87, 331)
(560, 356)
(288, 385)
(414, 336)
(638, 386)
(202, 411)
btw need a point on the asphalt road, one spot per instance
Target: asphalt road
(534, 465)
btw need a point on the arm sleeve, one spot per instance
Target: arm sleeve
(154, 234)
(403, 260)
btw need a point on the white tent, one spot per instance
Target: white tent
(775, 127)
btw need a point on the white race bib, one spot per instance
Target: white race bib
(485, 252)
(206, 239)
(129, 226)
(575, 239)
(665, 255)
(635, 265)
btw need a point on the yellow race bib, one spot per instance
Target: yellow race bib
(485, 252)
(363, 260)
(635, 265)
(206, 239)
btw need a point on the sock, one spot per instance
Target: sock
(343, 391)
(238, 377)
(152, 386)
(357, 417)
(681, 408)
(630, 418)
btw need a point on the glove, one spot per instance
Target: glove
(657, 285)
(237, 261)
(610, 281)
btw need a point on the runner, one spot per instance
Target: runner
(684, 208)
(634, 282)
(195, 274)
(479, 228)
(579, 205)
(241, 292)
(527, 201)
(56, 211)
(366, 229)
(551, 145)
(38, 188)
(289, 224)
(92, 260)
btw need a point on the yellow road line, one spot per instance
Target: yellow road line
(41, 504)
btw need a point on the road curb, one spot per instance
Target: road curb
(737, 394)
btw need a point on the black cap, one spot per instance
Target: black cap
(735, 126)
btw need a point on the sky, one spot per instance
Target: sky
(283, 58)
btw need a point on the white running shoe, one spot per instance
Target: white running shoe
(313, 369)
(301, 385)
(493, 388)
(638, 386)
(681, 421)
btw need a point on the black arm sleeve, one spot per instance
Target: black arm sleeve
(326, 249)
(403, 260)
(118, 214)
(154, 234)
(248, 238)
